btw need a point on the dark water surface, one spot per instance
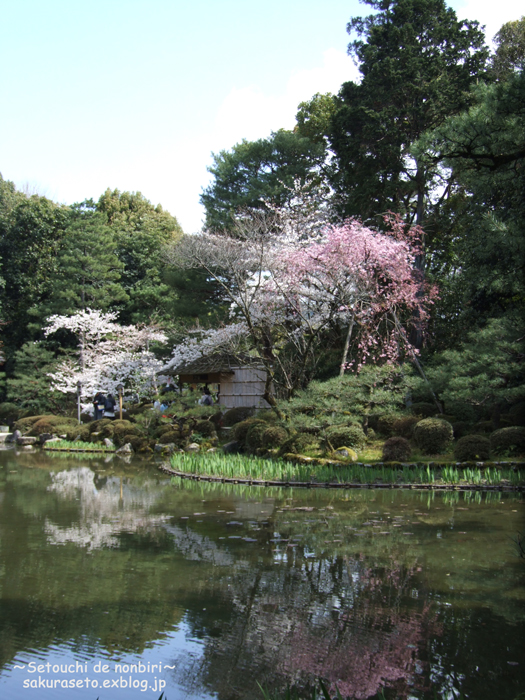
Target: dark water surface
(111, 577)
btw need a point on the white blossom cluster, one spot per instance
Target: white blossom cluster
(201, 343)
(108, 355)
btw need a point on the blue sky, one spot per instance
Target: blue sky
(136, 95)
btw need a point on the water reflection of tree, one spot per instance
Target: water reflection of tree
(336, 618)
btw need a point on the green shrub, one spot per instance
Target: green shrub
(472, 448)
(80, 432)
(170, 436)
(53, 424)
(274, 436)
(96, 426)
(166, 428)
(240, 430)
(385, 424)
(424, 408)
(9, 412)
(236, 415)
(484, 426)
(404, 427)
(509, 441)
(255, 435)
(346, 436)
(24, 425)
(433, 435)
(396, 449)
(205, 428)
(298, 442)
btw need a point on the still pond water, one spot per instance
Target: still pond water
(116, 583)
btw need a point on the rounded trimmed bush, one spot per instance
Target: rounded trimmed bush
(96, 426)
(255, 435)
(396, 449)
(205, 428)
(166, 428)
(460, 429)
(510, 441)
(385, 424)
(298, 442)
(471, 448)
(54, 424)
(9, 413)
(274, 436)
(236, 415)
(404, 427)
(170, 436)
(240, 430)
(424, 408)
(433, 435)
(81, 432)
(346, 436)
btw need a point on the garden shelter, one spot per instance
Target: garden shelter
(241, 379)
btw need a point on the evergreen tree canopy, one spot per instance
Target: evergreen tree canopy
(257, 171)
(418, 62)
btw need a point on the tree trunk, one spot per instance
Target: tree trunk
(347, 346)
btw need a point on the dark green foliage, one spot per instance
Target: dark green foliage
(346, 436)
(508, 441)
(433, 435)
(25, 424)
(517, 413)
(9, 412)
(418, 63)
(396, 449)
(255, 436)
(53, 424)
(274, 436)
(240, 430)
(460, 429)
(404, 427)
(424, 409)
(385, 424)
(89, 271)
(31, 230)
(169, 437)
(299, 442)
(205, 428)
(236, 415)
(141, 230)
(97, 426)
(254, 172)
(484, 372)
(78, 432)
(374, 390)
(28, 386)
(472, 447)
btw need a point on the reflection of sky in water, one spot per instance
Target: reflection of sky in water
(177, 649)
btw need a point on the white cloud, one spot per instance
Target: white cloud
(489, 13)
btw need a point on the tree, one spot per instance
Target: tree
(28, 387)
(31, 231)
(88, 269)
(108, 354)
(141, 231)
(418, 63)
(510, 52)
(286, 291)
(255, 172)
(484, 148)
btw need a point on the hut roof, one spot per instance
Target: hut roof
(216, 363)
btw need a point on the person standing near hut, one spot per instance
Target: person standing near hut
(99, 404)
(109, 406)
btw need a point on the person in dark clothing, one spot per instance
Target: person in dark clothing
(109, 406)
(206, 399)
(99, 404)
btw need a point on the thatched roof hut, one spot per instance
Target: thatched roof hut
(241, 378)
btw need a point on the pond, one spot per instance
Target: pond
(116, 583)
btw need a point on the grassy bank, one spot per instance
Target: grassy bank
(260, 469)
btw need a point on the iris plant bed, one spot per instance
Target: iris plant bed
(76, 446)
(257, 469)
